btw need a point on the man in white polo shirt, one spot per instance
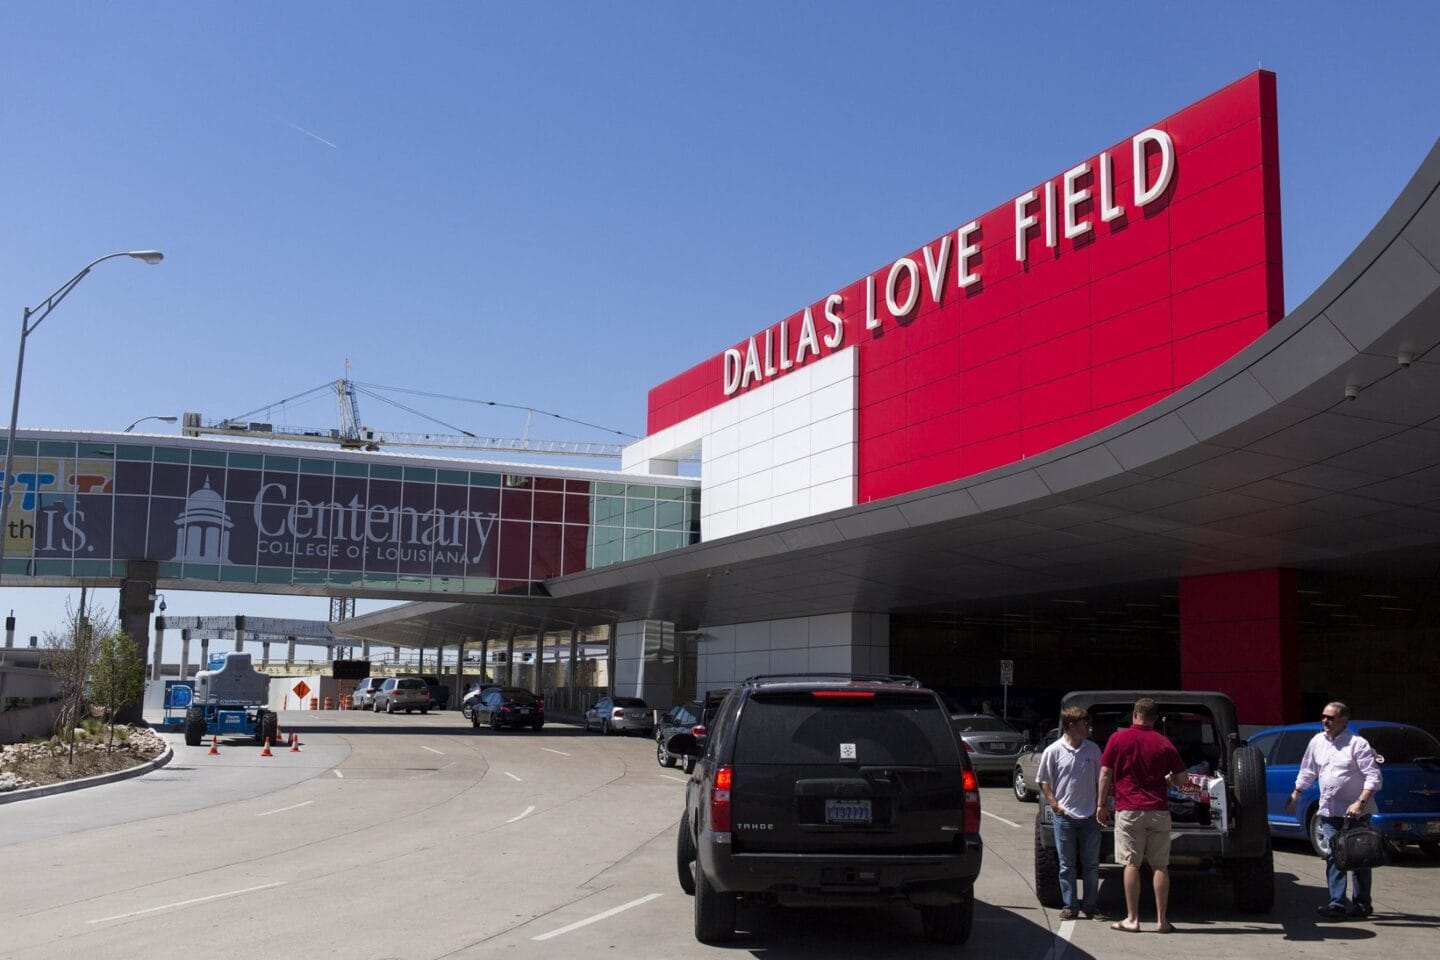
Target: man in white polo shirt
(1069, 775)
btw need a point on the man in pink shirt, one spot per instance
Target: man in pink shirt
(1139, 765)
(1349, 775)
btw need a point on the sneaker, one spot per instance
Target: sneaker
(1068, 913)
(1331, 911)
(1360, 911)
(1099, 915)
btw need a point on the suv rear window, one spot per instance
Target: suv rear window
(410, 683)
(512, 695)
(798, 728)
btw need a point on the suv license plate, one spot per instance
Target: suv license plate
(847, 811)
(1433, 826)
(524, 711)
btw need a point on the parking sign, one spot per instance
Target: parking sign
(1007, 672)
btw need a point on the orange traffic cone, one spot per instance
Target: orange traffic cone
(294, 743)
(266, 752)
(214, 747)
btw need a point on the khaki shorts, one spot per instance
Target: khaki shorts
(1142, 836)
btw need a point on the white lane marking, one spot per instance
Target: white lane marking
(186, 903)
(1001, 819)
(513, 777)
(598, 917)
(295, 806)
(433, 750)
(1061, 943)
(338, 774)
(676, 779)
(528, 810)
(561, 752)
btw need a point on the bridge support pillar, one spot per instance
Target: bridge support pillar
(137, 603)
(159, 649)
(290, 652)
(239, 632)
(185, 654)
(510, 657)
(10, 630)
(265, 654)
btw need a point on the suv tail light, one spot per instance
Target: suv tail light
(617, 712)
(720, 801)
(698, 730)
(539, 703)
(966, 745)
(971, 784)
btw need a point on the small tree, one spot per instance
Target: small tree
(117, 677)
(72, 652)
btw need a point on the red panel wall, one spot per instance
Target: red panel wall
(1078, 336)
(1240, 634)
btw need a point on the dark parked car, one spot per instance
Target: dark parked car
(439, 692)
(681, 718)
(619, 715)
(837, 790)
(1218, 821)
(508, 707)
(1408, 801)
(472, 693)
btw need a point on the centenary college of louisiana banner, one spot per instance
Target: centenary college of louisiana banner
(1076, 303)
(81, 509)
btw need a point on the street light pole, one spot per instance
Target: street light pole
(165, 419)
(40, 312)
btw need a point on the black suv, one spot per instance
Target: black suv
(1219, 823)
(833, 790)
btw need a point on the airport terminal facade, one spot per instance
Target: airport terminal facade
(1077, 432)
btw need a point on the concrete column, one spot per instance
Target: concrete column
(204, 653)
(159, 648)
(265, 653)
(365, 650)
(510, 658)
(485, 656)
(459, 689)
(239, 632)
(570, 666)
(137, 605)
(185, 654)
(610, 659)
(10, 629)
(290, 652)
(1240, 634)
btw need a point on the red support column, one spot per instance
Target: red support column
(1239, 634)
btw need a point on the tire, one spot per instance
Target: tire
(1247, 766)
(1047, 872)
(605, 727)
(465, 711)
(1431, 849)
(662, 757)
(537, 725)
(424, 711)
(714, 912)
(1317, 839)
(495, 722)
(194, 726)
(1023, 793)
(407, 711)
(950, 924)
(390, 706)
(1253, 881)
(474, 720)
(685, 856)
(689, 764)
(269, 727)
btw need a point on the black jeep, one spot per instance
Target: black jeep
(830, 789)
(1221, 828)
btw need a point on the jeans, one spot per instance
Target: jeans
(1077, 842)
(1335, 878)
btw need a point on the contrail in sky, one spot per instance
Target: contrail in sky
(312, 136)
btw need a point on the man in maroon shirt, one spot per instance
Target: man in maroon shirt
(1138, 765)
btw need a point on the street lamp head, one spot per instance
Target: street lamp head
(151, 257)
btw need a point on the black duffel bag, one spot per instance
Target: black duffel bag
(1358, 846)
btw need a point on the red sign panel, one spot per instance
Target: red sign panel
(1069, 307)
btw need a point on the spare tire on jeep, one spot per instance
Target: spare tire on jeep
(1047, 870)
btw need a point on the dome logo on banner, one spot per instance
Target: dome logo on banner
(1054, 208)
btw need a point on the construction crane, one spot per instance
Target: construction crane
(353, 435)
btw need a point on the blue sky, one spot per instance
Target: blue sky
(563, 204)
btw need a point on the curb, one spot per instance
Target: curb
(65, 786)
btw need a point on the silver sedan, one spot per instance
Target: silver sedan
(1027, 769)
(993, 745)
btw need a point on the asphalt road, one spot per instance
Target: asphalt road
(396, 836)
